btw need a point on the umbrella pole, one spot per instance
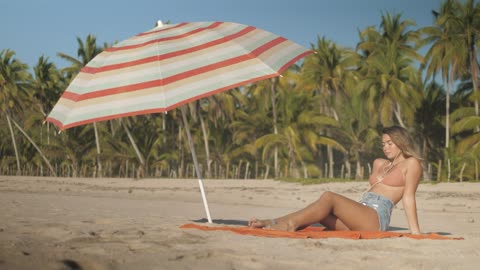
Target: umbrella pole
(195, 162)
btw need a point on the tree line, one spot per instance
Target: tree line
(321, 119)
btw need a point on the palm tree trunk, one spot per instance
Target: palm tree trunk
(181, 152)
(293, 162)
(207, 149)
(330, 161)
(97, 142)
(398, 114)
(476, 170)
(36, 147)
(439, 171)
(461, 172)
(164, 128)
(267, 171)
(134, 145)
(19, 170)
(474, 74)
(358, 171)
(227, 170)
(426, 174)
(275, 129)
(48, 133)
(305, 170)
(448, 170)
(348, 169)
(447, 114)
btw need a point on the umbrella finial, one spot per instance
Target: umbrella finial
(159, 23)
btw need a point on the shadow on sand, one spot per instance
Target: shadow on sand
(223, 221)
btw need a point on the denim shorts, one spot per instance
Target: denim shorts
(382, 205)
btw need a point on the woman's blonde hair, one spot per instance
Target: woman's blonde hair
(402, 139)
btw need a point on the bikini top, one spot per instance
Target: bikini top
(394, 177)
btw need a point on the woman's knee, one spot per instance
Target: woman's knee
(327, 196)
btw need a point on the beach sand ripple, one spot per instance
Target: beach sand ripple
(103, 223)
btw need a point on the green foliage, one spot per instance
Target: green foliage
(327, 111)
(316, 181)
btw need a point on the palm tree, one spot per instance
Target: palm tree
(464, 124)
(86, 52)
(357, 131)
(37, 148)
(429, 117)
(461, 22)
(221, 140)
(453, 51)
(73, 149)
(451, 39)
(324, 73)
(47, 85)
(438, 59)
(209, 112)
(266, 95)
(388, 72)
(251, 120)
(299, 127)
(13, 83)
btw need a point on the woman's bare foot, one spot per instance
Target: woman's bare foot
(271, 224)
(257, 223)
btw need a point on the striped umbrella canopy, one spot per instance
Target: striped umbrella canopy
(171, 65)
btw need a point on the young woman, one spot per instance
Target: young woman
(393, 179)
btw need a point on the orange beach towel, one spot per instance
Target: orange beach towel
(316, 233)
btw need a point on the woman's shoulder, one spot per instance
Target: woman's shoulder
(413, 164)
(413, 161)
(379, 161)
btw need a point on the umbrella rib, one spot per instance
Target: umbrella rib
(163, 29)
(93, 70)
(129, 47)
(174, 78)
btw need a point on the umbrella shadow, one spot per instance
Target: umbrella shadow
(223, 221)
(235, 222)
(443, 233)
(391, 228)
(245, 223)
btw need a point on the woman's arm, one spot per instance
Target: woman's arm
(412, 178)
(377, 163)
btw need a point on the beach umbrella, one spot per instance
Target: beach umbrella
(168, 66)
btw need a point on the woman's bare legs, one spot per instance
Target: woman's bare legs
(333, 210)
(334, 224)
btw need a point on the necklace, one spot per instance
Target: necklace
(387, 169)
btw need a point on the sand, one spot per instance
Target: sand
(105, 223)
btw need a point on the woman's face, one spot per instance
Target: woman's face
(390, 149)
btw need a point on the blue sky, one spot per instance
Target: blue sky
(33, 28)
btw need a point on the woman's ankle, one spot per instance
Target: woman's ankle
(292, 226)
